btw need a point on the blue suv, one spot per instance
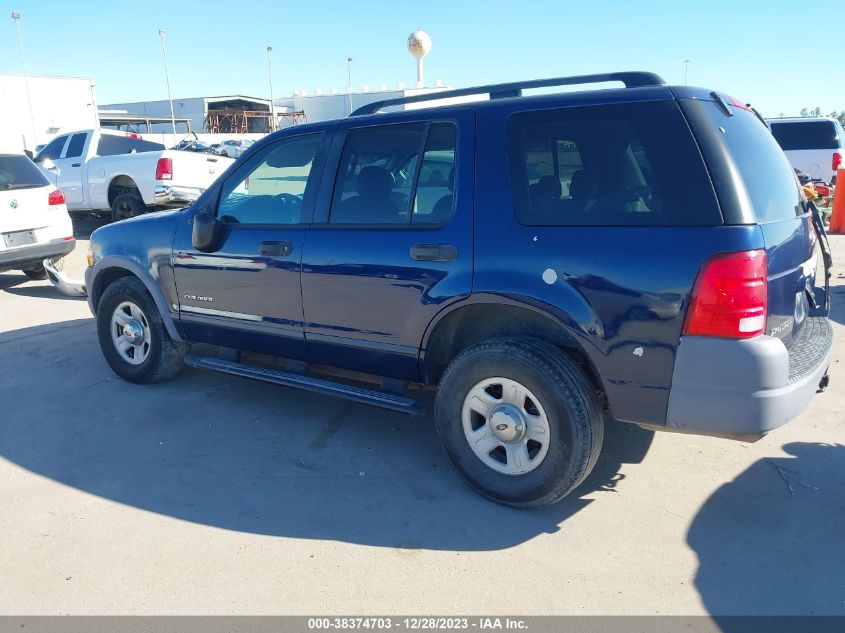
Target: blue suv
(643, 253)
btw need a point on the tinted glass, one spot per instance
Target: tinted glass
(805, 135)
(433, 200)
(53, 150)
(77, 143)
(633, 164)
(271, 188)
(115, 145)
(376, 174)
(766, 172)
(18, 172)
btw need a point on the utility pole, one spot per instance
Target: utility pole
(161, 34)
(15, 17)
(686, 67)
(349, 81)
(272, 107)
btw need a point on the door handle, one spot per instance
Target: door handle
(275, 248)
(434, 252)
(75, 164)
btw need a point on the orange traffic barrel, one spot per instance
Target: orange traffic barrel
(837, 217)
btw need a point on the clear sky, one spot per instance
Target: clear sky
(778, 55)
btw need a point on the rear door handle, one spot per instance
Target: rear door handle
(434, 252)
(275, 249)
(75, 164)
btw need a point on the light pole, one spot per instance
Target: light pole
(349, 81)
(161, 34)
(15, 17)
(270, 74)
(686, 68)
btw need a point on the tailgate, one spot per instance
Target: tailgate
(196, 171)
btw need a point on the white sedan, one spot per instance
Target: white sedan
(34, 222)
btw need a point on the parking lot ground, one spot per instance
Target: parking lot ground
(218, 495)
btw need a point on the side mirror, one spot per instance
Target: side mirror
(206, 232)
(48, 164)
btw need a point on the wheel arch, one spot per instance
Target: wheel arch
(460, 326)
(118, 185)
(111, 268)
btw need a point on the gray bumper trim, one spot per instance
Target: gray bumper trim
(737, 387)
(32, 255)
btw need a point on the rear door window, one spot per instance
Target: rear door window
(381, 181)
(77, 143)
(800, 135)
(633, 164)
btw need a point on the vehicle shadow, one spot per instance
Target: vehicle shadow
(42, 291)
(11, 279)
(771, 541)
(837, 298)
(252, 457)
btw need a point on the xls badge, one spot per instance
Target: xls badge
(196, 298)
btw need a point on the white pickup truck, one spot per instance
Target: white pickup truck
(101, 170)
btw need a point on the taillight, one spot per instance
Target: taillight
(730, 296)
(164, 169)
(56, 197)
(837, 161)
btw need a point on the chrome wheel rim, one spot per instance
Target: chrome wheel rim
(505, 426)
(130, 333)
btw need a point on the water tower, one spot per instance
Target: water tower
(419, 44)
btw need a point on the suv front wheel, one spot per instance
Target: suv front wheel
(133, 337)
(519, 421)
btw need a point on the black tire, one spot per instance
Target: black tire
(571, 404)
(127, 205)
(36, 273)
(165, 357)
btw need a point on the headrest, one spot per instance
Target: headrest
(374, 182)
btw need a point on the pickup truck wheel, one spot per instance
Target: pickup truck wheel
(132, 334)
(519, 420)
(127, 205)
(36, 273)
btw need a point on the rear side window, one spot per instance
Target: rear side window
(74, 148)
(381, 180)
(633, 164)
(18, 172)
(114, 145)
(805, 135)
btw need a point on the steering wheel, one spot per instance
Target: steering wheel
(288, 198)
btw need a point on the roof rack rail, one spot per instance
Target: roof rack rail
(631, 79)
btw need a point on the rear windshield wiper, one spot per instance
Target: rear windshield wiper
(21, 185)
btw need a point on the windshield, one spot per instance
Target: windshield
(18, 172)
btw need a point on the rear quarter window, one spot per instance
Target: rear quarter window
(798, 135)
(763, 168)
(632, 164)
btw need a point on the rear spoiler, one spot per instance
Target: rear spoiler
(820, 305)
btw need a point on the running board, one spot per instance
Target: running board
(381, 399)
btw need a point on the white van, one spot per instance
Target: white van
(815, 146)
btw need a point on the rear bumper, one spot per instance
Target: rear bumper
(175, 196)
(748, 387)
(31, 255)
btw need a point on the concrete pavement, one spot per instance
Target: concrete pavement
(217, 495)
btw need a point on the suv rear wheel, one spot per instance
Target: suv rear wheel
(132, 334)
(519, 420)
